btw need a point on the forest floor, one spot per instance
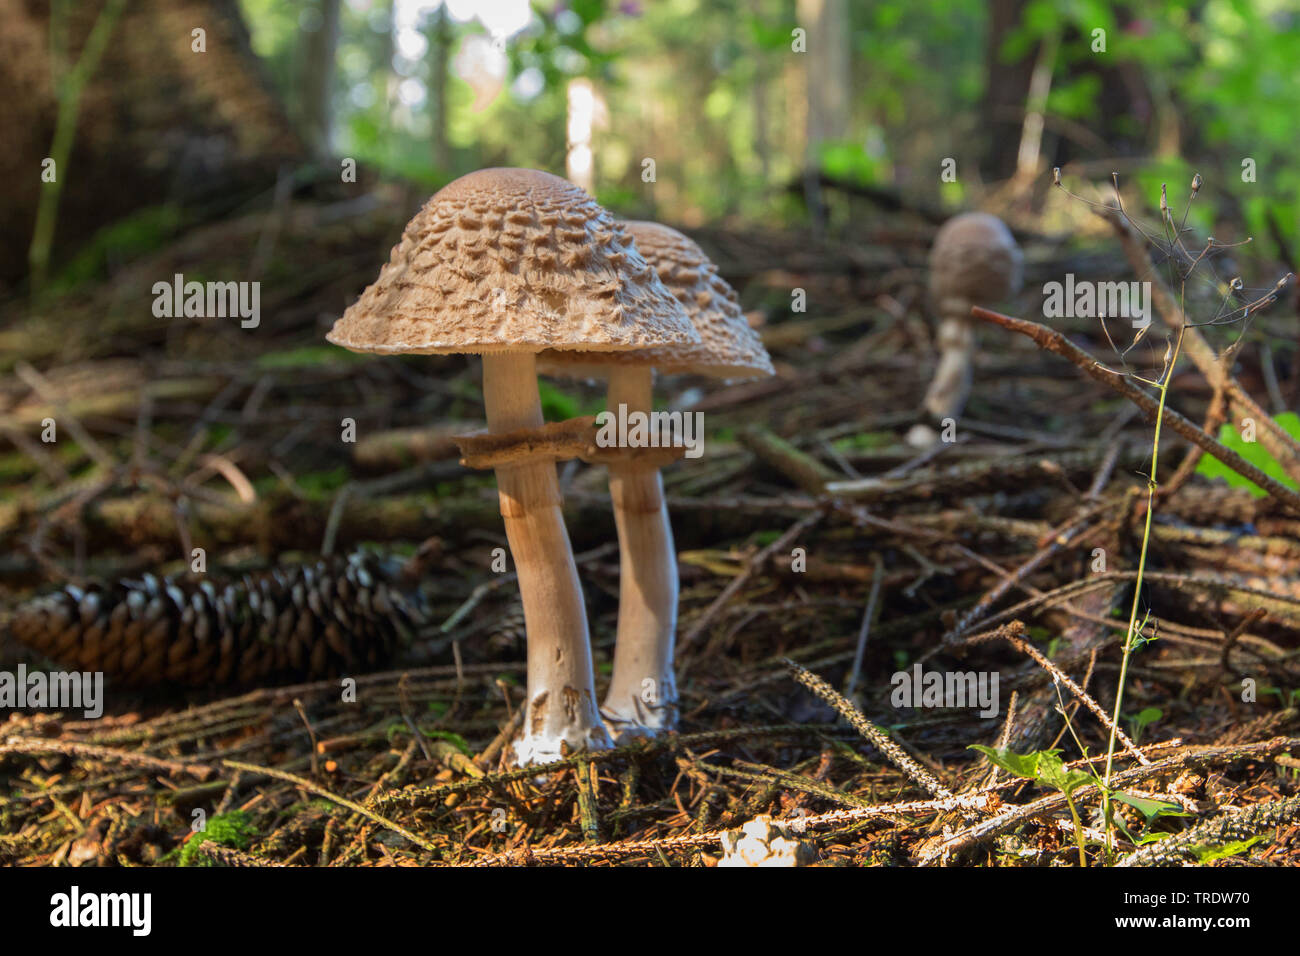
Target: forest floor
(1014, 544)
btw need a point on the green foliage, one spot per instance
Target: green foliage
(1142, 720)
(1253, 452)
(851, 162)
(864, 441)
(1150, 809)
(1045, 768)
(1020, 765)
(456, 740)
(556, 404)
(1042, 766)
(322, 484)
(718, 72)
(308, 356)
(1208, 854)
(143, 231)
(233, 829)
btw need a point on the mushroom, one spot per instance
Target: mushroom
(765, 842)
(974, 261)
(506, 263)
(642, 695)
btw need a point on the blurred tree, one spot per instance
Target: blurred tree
(440, 43)
(319, 26)
(171, 116)
(829, 81)
(1006, 90)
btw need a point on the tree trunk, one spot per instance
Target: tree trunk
(1006, 91)
(439, 56)
(319, 41)
(829, 79)
(159, 121)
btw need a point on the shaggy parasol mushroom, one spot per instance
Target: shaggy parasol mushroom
(974, 261)
(506, 263)
(642, 696)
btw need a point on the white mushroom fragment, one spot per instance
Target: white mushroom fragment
(642, 697)
(506, 263)
(765, 842)
(974, 261)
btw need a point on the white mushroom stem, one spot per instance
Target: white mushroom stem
(948, 392)
(642, 696)
(561, 708)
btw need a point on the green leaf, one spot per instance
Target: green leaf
(849, 161)
(1254, 452)
(1022, 765)
(455, 739)
(1151, 809)
(1208, 854)
(556, 405)
(1144, 719)
(1052, 771)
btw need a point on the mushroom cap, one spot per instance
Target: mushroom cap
(729, 348)
(975, 258)
(512, 260)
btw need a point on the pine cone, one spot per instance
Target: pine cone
(338, 616)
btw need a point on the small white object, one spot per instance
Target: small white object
(764, 842)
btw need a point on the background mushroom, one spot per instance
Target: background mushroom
(507, 262)
(974, 261)
(642, 696)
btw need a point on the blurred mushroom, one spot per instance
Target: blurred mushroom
(507, 262)
(974, 261)
(642, 696)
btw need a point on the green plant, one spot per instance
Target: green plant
(1151, 810)
(1143, 719)
(1045, 768)
(1253, 452)
(69, 83)
(1208, 854)
(233, 829)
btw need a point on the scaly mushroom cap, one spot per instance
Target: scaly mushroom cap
(512, 260)
(729, 348)
(974, 260)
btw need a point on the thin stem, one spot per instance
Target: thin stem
(1152, 486)
(1078, 831)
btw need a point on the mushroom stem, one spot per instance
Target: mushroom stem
(642, 696)
(948, 392)
(561, 708)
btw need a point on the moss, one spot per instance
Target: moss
(319, 485)
(232, 829)
(307, 357)
(864, 441)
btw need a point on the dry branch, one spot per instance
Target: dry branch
(1055, 342)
